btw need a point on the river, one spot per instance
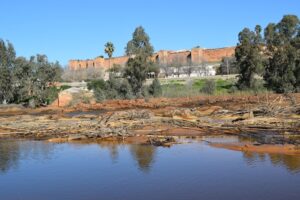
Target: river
(191, 170)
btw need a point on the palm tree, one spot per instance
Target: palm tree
(109, 50)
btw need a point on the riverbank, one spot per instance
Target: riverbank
(268, 119)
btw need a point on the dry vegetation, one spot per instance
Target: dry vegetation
(268, 118)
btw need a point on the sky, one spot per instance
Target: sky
(78, 29)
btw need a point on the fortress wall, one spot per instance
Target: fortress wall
(216, 55)
(104, 63)
(99, 62)
(196, 55)
(72, 65)
(178, 57)
(118, 60)
(161, 57)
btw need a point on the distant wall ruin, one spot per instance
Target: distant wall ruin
(195, 56)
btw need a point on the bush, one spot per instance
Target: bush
(209, 87)
(119, 88)
(114, 88)
(233, 89)
(259, 85)
(99, 87)
(51, 93)
(125, 91)
(155, 88)
(145, 91)
(99, 94)
(64, 87)
(100, 83)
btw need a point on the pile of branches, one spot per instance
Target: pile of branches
(283, 105)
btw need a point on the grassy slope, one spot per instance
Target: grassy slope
(187, 88)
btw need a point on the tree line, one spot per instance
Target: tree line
(128, 82)
(270, 59)
(273, 55)
(28, 81)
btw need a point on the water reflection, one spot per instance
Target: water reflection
(144, 155)
(42, 170)
(113, 148)
(12, 151)
(290, 162)
(9, 155)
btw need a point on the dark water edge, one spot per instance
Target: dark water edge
(192, 170)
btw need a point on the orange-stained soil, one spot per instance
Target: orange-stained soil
(270, 115)
(278, 149)
(205, 104)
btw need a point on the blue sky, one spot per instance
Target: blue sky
(78, 29)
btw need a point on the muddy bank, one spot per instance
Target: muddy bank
(260, 148)
(270, 120)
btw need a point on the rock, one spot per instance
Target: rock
(158, 141)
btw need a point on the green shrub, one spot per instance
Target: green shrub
(209, 87)
(155, 88)
(114, 88)
(233, 89)
(51, 93)
(99, 87)
(145, 91)
(99, 94)
(259, 85)
(125, 91)
(64, 87)
(100, 83)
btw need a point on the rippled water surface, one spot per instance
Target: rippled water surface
(40, 170)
